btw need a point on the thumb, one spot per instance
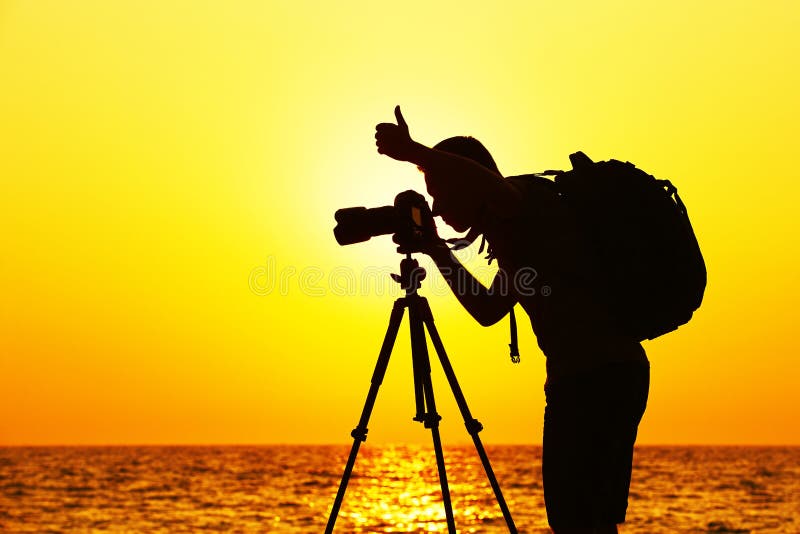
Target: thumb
(399, 116)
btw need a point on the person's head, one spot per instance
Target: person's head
(460, 210)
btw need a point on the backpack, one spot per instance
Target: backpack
(645, 260)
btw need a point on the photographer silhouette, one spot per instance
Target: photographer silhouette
(597, 375)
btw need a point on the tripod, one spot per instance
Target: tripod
(420, 317)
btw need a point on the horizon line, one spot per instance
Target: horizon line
(381, 444)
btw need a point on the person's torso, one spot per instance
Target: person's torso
(542, 251)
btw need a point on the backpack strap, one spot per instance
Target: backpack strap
(513, 346)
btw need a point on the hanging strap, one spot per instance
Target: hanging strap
(513, 345)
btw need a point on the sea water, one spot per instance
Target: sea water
(393, 489)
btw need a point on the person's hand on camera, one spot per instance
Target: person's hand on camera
(426, 241)
(428, 245)
(393, 140)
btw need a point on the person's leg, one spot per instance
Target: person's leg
(590, 428)
(624, 393)
(565, 469)
(612, 529)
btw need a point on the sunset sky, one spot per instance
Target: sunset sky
(170, 172)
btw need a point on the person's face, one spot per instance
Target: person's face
(456, 218)
(456, 212)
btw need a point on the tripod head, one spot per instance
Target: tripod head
(411, 275)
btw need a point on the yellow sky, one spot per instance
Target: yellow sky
(170, 172)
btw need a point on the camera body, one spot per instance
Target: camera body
(409, 219)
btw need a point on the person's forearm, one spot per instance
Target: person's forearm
(477, 299)
(421, 155)
(431, 159)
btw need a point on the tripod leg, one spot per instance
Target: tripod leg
(426, 404)
(472, 424)
(359, 433)
(433, 423)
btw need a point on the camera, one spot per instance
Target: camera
(409, 219)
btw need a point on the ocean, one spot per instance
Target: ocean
(393, 489)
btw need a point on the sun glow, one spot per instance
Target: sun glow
(156, 158)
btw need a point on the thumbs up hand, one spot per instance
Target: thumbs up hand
(394, 140)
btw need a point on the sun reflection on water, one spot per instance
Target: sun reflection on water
(396, 489)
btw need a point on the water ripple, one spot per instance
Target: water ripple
(393, 489)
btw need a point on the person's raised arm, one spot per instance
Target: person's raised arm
(451, 171)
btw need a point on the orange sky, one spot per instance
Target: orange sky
(170, 173)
